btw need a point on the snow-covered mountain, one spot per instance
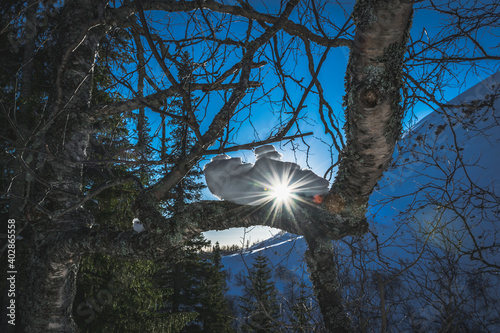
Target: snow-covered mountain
(284, 250)
(445, 174)
(435, 228)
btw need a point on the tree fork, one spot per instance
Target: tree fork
(373, 125)
(372, 101)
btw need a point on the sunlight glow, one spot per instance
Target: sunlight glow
(281, 192)
(282, 188)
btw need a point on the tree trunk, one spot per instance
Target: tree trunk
(373, 125)
(324, 276)
(372, 101)
(47, 289)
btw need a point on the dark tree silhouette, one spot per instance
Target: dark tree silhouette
(260, 306)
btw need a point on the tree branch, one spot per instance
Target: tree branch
(121, 14)
(163, 236)
(252, 145)
(157, 100)
(223, 117)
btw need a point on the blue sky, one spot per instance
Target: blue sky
(332, 78)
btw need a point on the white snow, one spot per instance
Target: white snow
(269, 178)
(137, 225)
(282, 250)
(446, 172)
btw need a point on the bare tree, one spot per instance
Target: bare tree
(244, 55)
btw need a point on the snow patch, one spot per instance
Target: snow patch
(137, 225)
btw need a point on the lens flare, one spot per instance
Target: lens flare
(284, 188)
(281, 192)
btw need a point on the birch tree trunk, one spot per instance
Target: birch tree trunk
(48, 285)
(373, 114)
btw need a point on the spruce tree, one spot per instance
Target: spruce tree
(197, 283)
(187, 275)
(301, 312)
(138, 304)
(116, 296)
(215, 313)
(260, 304)
(182, 138)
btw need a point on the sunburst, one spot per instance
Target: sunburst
(281, 192)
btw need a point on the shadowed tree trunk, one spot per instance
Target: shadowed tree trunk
(373, 125)
(48, 288)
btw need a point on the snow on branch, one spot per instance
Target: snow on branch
(268, 179)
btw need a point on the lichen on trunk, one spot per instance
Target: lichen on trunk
(48, 288)
(373, 125)
(373, 112)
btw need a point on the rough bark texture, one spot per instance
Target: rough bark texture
(372, 109)
(167, 235)
(47, 290)
(320, 259)
(373, 114)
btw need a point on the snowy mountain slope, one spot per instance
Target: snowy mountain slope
(434, 219)
(283, 250)
(285, 254)
(445, 174)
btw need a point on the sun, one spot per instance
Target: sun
(281, 192)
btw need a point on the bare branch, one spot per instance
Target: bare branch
(252, 145)
(289, 26)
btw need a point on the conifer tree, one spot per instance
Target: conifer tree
(187, 275)
(301, 312)
(115, 295)
(260, 304)
(215, 313)
(197, 283)
(182, 138)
